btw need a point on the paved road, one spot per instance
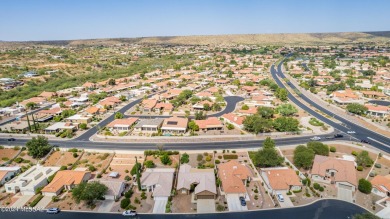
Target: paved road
(381, 142)
(170, 146)
(323, 209)
(380, 102)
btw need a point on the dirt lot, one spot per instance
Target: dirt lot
(61, 158)
(157, 162)
(67, 203)
(241, 156)
(7, 154)
(97, 160)
(201, 159)
(123, 163)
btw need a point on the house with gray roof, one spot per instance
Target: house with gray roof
(148, 125)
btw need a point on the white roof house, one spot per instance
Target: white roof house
(158, 180)
(6, 173)
(28, 182)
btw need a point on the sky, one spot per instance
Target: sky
(26, 20)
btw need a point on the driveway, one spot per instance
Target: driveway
(43, 202)
(106, 206)
(344, 194)
(234, 203)
(205, 205)
(22, 201)
(287, 202)
(159, 204)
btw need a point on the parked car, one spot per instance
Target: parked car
(315, 138)
(129, 213)
(11, 139)
(351, 132)
(280, 197)
(243, 202)
(53, 211)
(364, 141)
(338, 135)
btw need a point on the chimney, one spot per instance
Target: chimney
(234, 167)
(235, 118)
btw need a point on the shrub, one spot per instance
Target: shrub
(125, 202)
(63, 168)
(316, 186)
(137, 201)
(149, 164)
(143, 195)
(230, 156)
(199, 157)
(92, 168)
(217, 162)
(289, 193)
(128, 194)
(185, 158)
(332, 149)
(359, 168)
(378, 165)
(127, 178)
(220, 208)
(364, 186)
(354, 153)
(73, 150)
(19, 160)
(55, 199)
(75, 155)
(321, 189)
(36, 200)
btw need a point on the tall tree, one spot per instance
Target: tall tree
(138, 175)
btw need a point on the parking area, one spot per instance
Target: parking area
(205, 205)
(43, 202)
(106, 206)
(287, 202)
(22, 201)
(234, 204)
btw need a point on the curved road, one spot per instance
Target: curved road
(324, 209)
(377, 140)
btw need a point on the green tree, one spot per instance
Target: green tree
(118, 115)
(193, 126)
(281, 93)
(286, 124)
(265, 112)
(165, 159)
(267, 156)
(365, 186)
(363, 159)
(185, 158)
(138, 172)
(89, 192)
(303, 157)
(256, 124)
(31, 105)
(287, 109)
(38, 147)
(206, 107)
(199, 115)
(357, 109)
(111, 81)
(125, 202)
(149, 164)
(83, 126)
(245, 107)
(318, 148)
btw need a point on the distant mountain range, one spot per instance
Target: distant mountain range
(261, 39)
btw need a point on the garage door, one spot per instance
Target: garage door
(343, 186)
(205, 197)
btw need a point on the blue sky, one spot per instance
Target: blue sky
(85, 19)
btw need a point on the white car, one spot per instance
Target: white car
(53, 211)
(280, 197)
(351, 132)
(129, 213)
(315, 138)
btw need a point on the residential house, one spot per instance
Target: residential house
(48, 95)
(163, 107)
(345, 97)
(203, 181)
(234, 177)
(281, 179)
(122, 124)
(65, 179)
(39, 101)
(16, 126)
(7, 173)
(60, 126)
(159, 181)
(334, 171)
(28, 182)
(381, 185)
(148, 125)
(116, 187)
(234, 119)
(377, 111)
(147, 105)
(79, 119)
(174, 125)
(211, 123)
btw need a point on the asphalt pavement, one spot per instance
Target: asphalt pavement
(324, 209)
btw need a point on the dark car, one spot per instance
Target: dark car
(11, 139)
(338, 135)
(243, 202)
(364, 141)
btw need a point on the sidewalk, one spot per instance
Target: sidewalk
(338, 111)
